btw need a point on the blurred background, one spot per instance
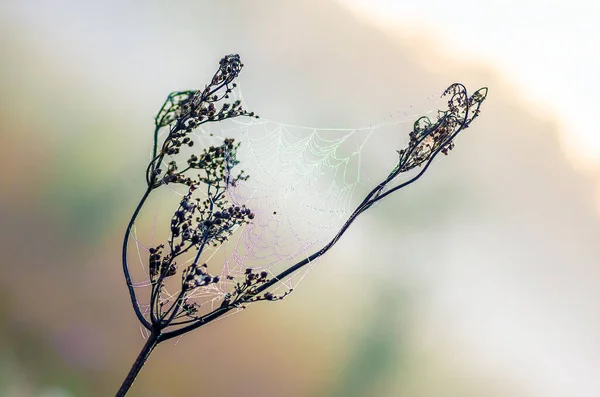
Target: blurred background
(481, 279)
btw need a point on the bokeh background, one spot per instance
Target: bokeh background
(482, 279)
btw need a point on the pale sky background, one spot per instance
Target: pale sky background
(547, 48)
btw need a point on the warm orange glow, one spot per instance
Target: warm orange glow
(545, 53)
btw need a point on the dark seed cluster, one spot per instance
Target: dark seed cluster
(158, 264)
(184, 111)
(191, 108)
(197, 223)
(196, 276)
(246, 289)
(214, 166)
(428, 138)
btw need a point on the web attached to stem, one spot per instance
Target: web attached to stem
(303, 184)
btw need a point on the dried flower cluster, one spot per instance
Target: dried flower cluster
(198, 222)
(247, 290)
(184, 111)
(428, 138)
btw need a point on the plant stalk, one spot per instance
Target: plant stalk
(138, 364)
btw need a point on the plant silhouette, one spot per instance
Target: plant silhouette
(208, 221)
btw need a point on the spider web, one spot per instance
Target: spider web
(304, 183)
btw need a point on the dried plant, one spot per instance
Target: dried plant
(201, 222)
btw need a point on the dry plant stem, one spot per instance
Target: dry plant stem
(128, 281)
(138, 364)
(153, 340)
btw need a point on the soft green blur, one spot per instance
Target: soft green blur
(481, 279)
